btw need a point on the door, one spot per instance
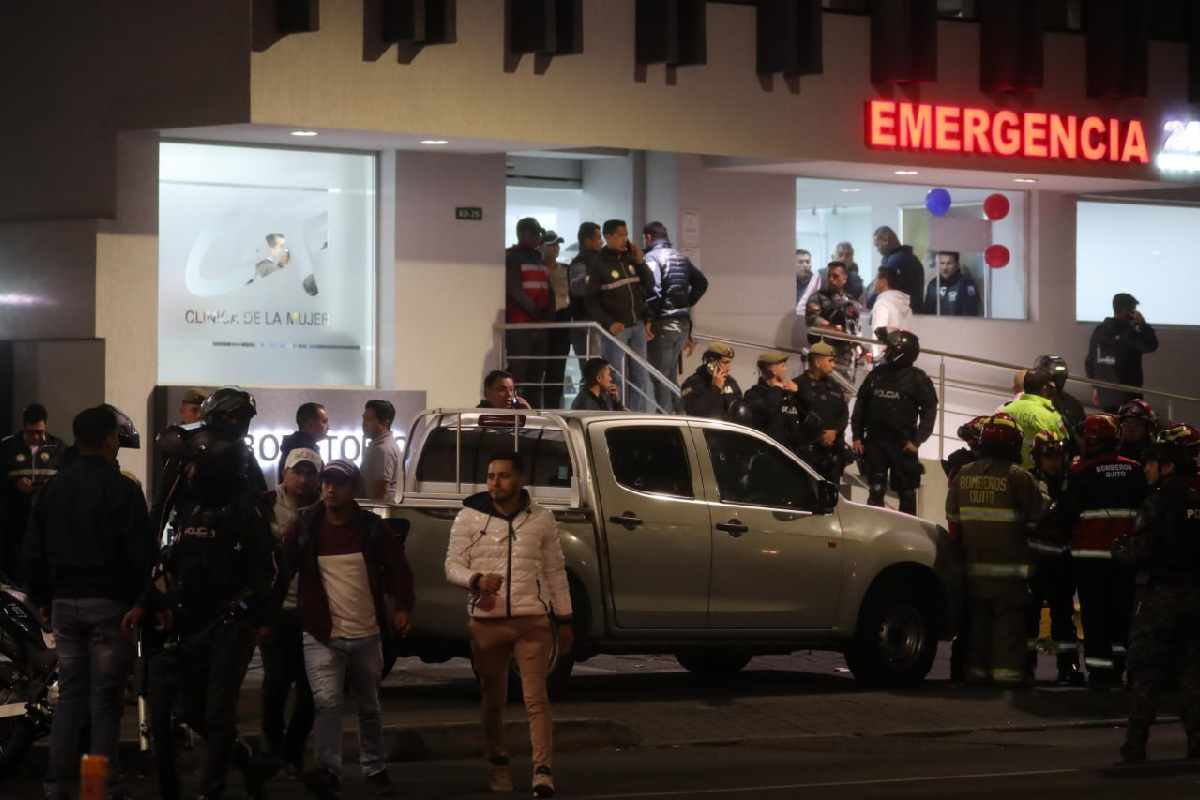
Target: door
(655, 522)
(777, 561)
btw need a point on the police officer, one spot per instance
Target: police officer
(992, 507)
(1165, 549)
(775, 403)
(711, 391)
(1100, 502)
(832, 309)
(893, 415)
(211, 591)
(1139, 424)
(821, 397)
(1052, 583)
(1070, 409)
(30, 458)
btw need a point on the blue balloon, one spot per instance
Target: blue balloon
(938, 202)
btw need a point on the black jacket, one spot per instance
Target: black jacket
(1115, 355)
(702, 399)
(577, 278)
(586, 401)
(18, 461)
(827, 401)
(895, 403)
(678, 283)
(959, 297)
(779, 414)
(952, 463)
(291, 442)
(1166, 541)
(911, 273)
(89, 535)
(617, 289)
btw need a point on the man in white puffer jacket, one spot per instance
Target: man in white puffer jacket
(504, 550)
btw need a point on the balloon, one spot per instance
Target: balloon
(996, 256)
(995, 206)
(938, 202)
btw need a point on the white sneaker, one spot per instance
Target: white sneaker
(543, 782)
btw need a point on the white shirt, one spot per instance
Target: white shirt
(892, 310)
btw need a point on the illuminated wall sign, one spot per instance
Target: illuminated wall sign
(898, 125)
(1181, 148)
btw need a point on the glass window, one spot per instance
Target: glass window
(650, 459)
(753, 472)
(956, 279)
(547, 458)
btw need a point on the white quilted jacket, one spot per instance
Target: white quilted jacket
(524, 550)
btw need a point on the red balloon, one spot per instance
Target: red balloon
(996, 256)
(995, 206)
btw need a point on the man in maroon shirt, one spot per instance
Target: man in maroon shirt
(348, 560)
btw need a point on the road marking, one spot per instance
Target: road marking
(835, 784)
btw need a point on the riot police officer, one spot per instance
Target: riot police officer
(1165, 550)
(1052, 583)
(1100, 502)
(211, 591)
(1138, 424)
(711, 391)
(30, 458)
(775, 404)
(821, 397)
(893, 415)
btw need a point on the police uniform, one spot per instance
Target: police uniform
(701, 397)
(824, 398)
(993, 505)
(1100, 504)
(20, 461)
(776, 410)
(1165, 549)
(896, 404)
(832, 309)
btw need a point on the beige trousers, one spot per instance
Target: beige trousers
(494, 643)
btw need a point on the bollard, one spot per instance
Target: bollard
(93, 777)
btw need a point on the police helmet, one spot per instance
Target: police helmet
(1056, 366)
(1001, 437)
(902, 350)
(127, 432)
(741, 413)
(229, 410)
(1100, 433)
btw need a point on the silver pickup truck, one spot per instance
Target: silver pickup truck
(692, 537)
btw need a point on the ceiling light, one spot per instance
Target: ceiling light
(907, 172)
(304, 133)
(1025, 180)
(434, 141)
(851, 190)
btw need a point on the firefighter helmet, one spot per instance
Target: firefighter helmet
(1100, 433)
(970, 431)
(1001, 436)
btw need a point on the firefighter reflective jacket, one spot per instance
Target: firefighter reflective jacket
(993, 507)
(1101, 503)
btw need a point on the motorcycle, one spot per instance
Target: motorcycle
(28, 677)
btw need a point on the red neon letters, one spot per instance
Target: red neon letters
(901, 125)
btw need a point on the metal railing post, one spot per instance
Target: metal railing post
(1170, 409)
(458, 457)
(625, 379)
(941, 407)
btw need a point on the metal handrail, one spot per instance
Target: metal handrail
(627, 354)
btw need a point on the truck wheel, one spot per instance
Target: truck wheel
(713, 663)
(895, 643)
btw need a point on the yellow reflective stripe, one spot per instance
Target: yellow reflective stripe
(1076, 553)
(32, 473)
(1008, 675)
(987, 514)
(1110, 513)
(1046, 547)
(998, 570)
(953, 518)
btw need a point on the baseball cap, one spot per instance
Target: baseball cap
(772, 357)
(340, 471)
(530, 224)
(822, 349)
(719, 349)
(1125, 300)
(550, 237)
(195, 397)
(303, 454)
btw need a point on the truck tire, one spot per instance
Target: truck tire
(713, 663)
(896, 640)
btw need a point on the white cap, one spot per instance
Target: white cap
(303, 454)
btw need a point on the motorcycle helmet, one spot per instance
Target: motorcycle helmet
(127, 432)
(903, 348)
(970, 431)
(1056, 366)
(228, 411)
(1001, 437)
(1100, 433)
(741, 413)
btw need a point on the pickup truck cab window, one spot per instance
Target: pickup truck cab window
(750, 471)
(650, 459)
(545, 450)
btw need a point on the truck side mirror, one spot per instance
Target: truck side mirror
(827, 496)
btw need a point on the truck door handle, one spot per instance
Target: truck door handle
(735, 527)
(628, 520)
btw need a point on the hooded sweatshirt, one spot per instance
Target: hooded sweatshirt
(892, 311)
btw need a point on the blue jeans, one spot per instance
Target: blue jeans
(635, 338)
(93, 661)
(327, 666)
(670, 335)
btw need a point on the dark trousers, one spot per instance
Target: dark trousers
(94, 656)
(1165, 641)
(996, 643)
(202, 676)
(829, 462)
(1106, 604)
(558, 345)
(1053, 585)
(888, 465)
(283, 668)
(527, 363)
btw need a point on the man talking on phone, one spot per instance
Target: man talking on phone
(711, 391)
(1116, 350)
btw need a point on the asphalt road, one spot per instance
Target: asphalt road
(1050, 764)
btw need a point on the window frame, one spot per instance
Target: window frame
(683, 446)
(713, 490)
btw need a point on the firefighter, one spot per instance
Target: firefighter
(1052, 583)
(893, 415)
(1138, 424)
(1165, 550)
(969, 433)
(1100, 503)
(993, 505)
